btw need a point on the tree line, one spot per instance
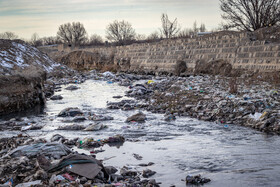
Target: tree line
(248, 15)
(117, 32)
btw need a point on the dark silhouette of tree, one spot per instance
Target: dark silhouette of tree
(36, 40)
(195, 28)
(185, 33)
(50, 40)
(8, 35)
(202, 27)
(169, 28)
(72, 34)
(154, 36)
(250, 15)
(120, 32)
(95, 40)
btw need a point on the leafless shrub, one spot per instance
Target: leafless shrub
(8, 35)
(72, 34)
(120, 32)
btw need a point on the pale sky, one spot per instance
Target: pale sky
(25, 17)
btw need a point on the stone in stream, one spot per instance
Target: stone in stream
(72, 87)
(79, 119)
(137, 157)
(139, 117)
(56, 97)
(95, 127)
(117, 97)
(72, 127)
(57, 137)
(95, 117)
(196, 180)
(145, 165)
(147, 173)
(71, 112)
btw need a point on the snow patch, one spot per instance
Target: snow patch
(3, 53)
(20, 46)
(6, 64)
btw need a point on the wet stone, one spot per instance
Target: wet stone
(71, 127)
(72, 87)
(139, 117)
(56, 97)
(148, 173)
(196, 180)
(72, 112)
(95, 127)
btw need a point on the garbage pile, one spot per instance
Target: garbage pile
(210, 98)
(28, 162)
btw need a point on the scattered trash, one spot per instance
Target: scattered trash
(82, 165)
(150, 81)
(28, 184)
(55, 150)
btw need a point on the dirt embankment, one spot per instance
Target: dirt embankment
(23, 70)
(84, 61)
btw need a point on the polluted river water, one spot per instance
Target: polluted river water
(229, 155)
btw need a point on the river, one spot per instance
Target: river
(229, 155)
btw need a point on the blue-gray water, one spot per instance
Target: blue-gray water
(233, 156)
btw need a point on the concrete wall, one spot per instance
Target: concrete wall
(234, 47)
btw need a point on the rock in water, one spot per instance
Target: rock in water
(73, 127)
(95, 127)
(196, 180)
(139, 117)
(147, 173)
(72, 87)
(70, 112)
(56, 97)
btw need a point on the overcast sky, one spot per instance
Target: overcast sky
(25, 17)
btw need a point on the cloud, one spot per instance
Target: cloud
(44, 17)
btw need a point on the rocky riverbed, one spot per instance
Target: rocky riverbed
(139, 130)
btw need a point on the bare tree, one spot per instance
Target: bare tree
(8, 35)
(169, 28)
(140, 37)
(51, 40)
(154, 36)
(95, 40)
(72, 34)
(35, 40)
(120, 31)
(202, 27)
(250, 15)
(185, 33)
(195, 28)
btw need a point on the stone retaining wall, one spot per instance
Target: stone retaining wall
(234, 47)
